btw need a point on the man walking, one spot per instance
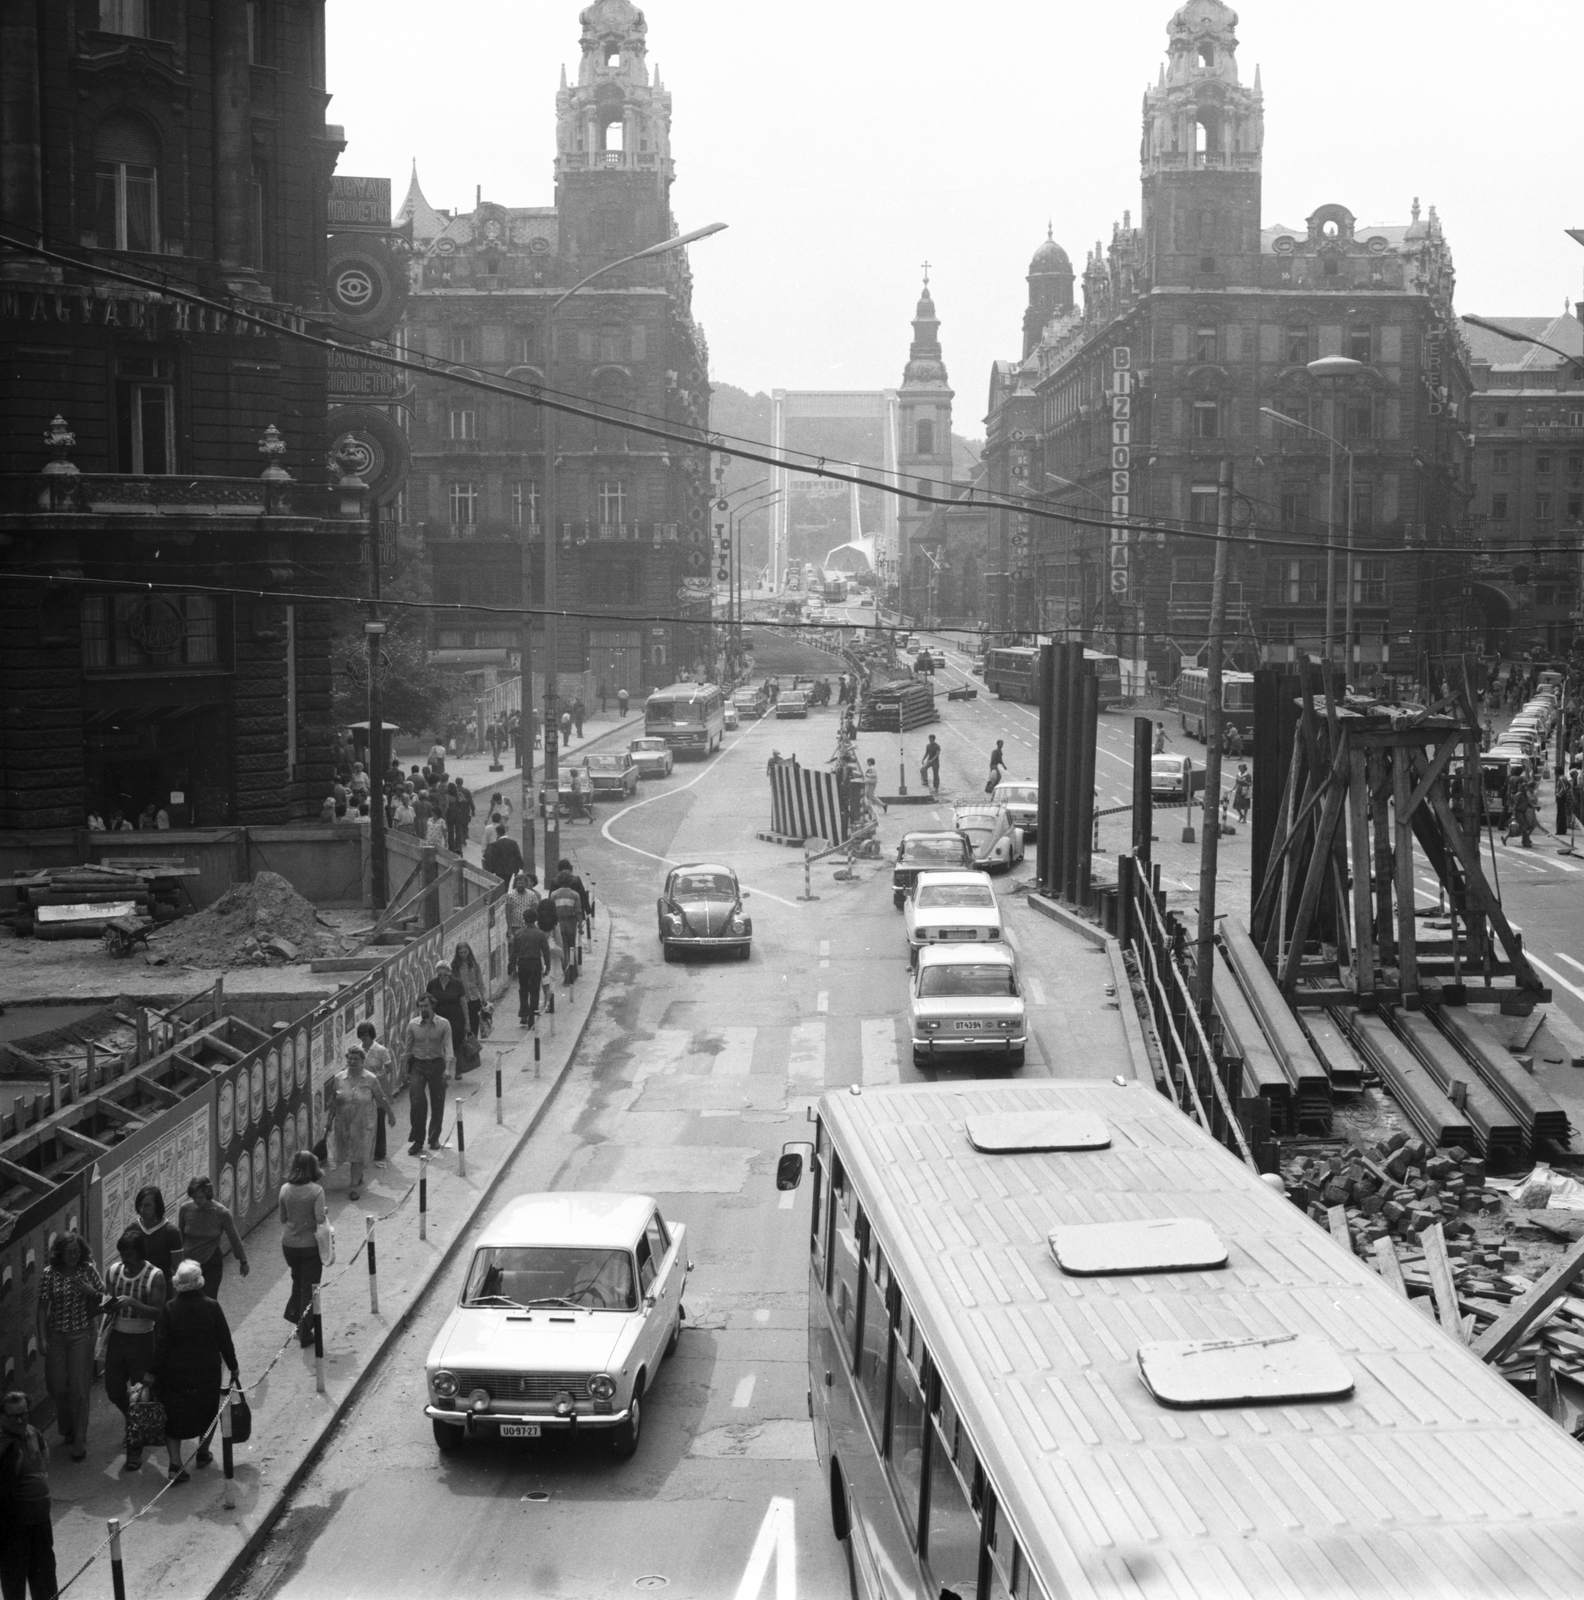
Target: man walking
(929, 767)
(579, 711)
(621, 701)
(997, 764)
(503, 855)
(1160, 738)
(531, 950)
(27, 1540)
(429, 1054)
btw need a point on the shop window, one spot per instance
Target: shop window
(126, 184)
(149, 632)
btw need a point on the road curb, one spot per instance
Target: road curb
(255, 1541)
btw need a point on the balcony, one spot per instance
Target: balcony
(620, 533)
(480, 532)
(1206, 160)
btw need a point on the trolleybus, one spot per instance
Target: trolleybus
(690, 717)
(1012, 673)
(1237, 701)
(1063, 1343)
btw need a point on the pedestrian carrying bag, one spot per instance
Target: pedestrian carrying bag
(145, 1418)
(324, 1237)
(241, 1417)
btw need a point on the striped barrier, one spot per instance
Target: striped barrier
(804, 804)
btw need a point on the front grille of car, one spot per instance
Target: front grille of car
(524, 1387)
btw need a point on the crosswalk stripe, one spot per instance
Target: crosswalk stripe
(664, 1053)
(806, 1058)
(879, 1046)
(735, 1059)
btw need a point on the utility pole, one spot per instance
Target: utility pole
(1210, 841)
(374, 633)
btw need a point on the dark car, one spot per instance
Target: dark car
(701, 908)
(934, 850)
(751, 700)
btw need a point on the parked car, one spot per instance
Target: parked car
(613, 773)
(729, 715)
(1175, 778)
(951, 908)
(936, 658)
(997, 841)
(966, 1000)
(571, 1302)
(1021, 799)
(751, 700)
(701, 908)
(927, 850)
(792, 703)
(652, 757)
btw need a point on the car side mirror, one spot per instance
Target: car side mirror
(789, 1169)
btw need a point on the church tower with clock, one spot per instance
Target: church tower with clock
(924, 450)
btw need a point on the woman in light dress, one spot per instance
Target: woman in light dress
(359, 1099)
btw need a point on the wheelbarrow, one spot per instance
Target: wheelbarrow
(124, 934)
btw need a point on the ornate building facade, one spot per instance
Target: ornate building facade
(924, 457)
(146, 437)
(1194, 326)
(491, 476)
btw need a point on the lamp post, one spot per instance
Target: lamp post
(1335, 444)
(760, 502)
(373, 633)
(552, 771)
(733, 566)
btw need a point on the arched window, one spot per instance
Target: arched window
(126, 184)
(926, 439)
(1207, 56)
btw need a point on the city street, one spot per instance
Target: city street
(690, 1078)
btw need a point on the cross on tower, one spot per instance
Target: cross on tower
(926, 274)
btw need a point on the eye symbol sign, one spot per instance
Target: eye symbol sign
(354, 288)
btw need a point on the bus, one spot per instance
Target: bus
(1012, 673)
(690, 717)
(1062, 1342)
(834, 587)
(1237, 701)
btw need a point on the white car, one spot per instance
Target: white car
(571, 1302)
(951, 908)
(652, 757)
(1022, 802)
(966, 1000)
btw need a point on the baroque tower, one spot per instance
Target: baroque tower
(1050, 289)
(613, 166)
(1203, 136)
(924, 442)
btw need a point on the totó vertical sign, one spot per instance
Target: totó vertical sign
(1121, 469)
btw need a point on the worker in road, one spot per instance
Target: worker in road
(929, 767)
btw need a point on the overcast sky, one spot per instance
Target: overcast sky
(847, 141)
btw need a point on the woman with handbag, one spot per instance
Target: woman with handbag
(359, 1100)
(71, 1295)
(140, 1293)
(302, 1211)
(465, 967)
(191, 1339)
(204, 1222)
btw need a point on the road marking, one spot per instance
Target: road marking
(806, 1057)
(879, 1051)
(1554, 975)
(1035, 992)
(663, 1054)
(1562, 955)
(1111, 756)
(776, 1540)
(763, 1316)
(735, 1059)
(742, 1395)
(824, 952)
(822, 1001)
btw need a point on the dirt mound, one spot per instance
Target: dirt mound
(258, 924)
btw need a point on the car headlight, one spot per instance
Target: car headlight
(444, 1384)
(737, 925)
(602, 1386)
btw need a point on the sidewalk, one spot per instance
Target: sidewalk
(179, 1541)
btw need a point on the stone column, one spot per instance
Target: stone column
(233, 134)
(21, 136)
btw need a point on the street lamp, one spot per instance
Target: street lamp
(552, 770)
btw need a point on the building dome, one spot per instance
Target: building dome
(1050, 257)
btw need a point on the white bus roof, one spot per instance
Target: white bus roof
(1435, 1477)
(683, 691)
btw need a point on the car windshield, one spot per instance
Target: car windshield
(937, 983)
(1170, 764)
(529, 1275)
(1017, 794)
(932, 849)
(955, 894)
(979, 833)
(703, 886)
(604, 763)
(648, 746)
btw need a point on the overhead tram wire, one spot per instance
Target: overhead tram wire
(750, 450)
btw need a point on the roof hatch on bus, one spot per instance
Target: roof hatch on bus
(1007, 1133)
(1117, 1249)
(1240, 1372)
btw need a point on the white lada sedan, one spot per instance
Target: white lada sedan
(949, 908)
(966, 1000)
(569, 1306)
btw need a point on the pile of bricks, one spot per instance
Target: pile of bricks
(1396, 1189)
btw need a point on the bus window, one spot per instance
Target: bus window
(843, 1285)
(908, 1421)
(876, 1336)
(951, 1544)
(822, 1168)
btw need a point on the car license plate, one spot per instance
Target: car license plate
(966, 1027)
(962, 933)
(519, 1430)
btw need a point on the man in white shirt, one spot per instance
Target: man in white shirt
(430, 1056)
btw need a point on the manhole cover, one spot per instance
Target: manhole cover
(537, 1495)
(651, 1580)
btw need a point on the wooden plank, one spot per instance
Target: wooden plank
(1388, 1266)
(1438, 764)
(1358, 817)
(1523, 1314)
(1545, 1395)
(81, 1141)
(27, 1176)
(1407, 954)
(1319, 864)
(1336, 1220)
(1441, 1284)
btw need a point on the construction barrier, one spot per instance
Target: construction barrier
(806, 804)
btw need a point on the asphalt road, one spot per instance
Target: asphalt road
(689, 1080)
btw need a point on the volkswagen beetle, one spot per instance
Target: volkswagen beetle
(701, 908)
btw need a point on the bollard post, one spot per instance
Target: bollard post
(461, 1147)
(423, 1197)
(117, 1572)
(536, 1047)
(499, 1091)
(227, 1459)
(368, 1234)
(318, 1316)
